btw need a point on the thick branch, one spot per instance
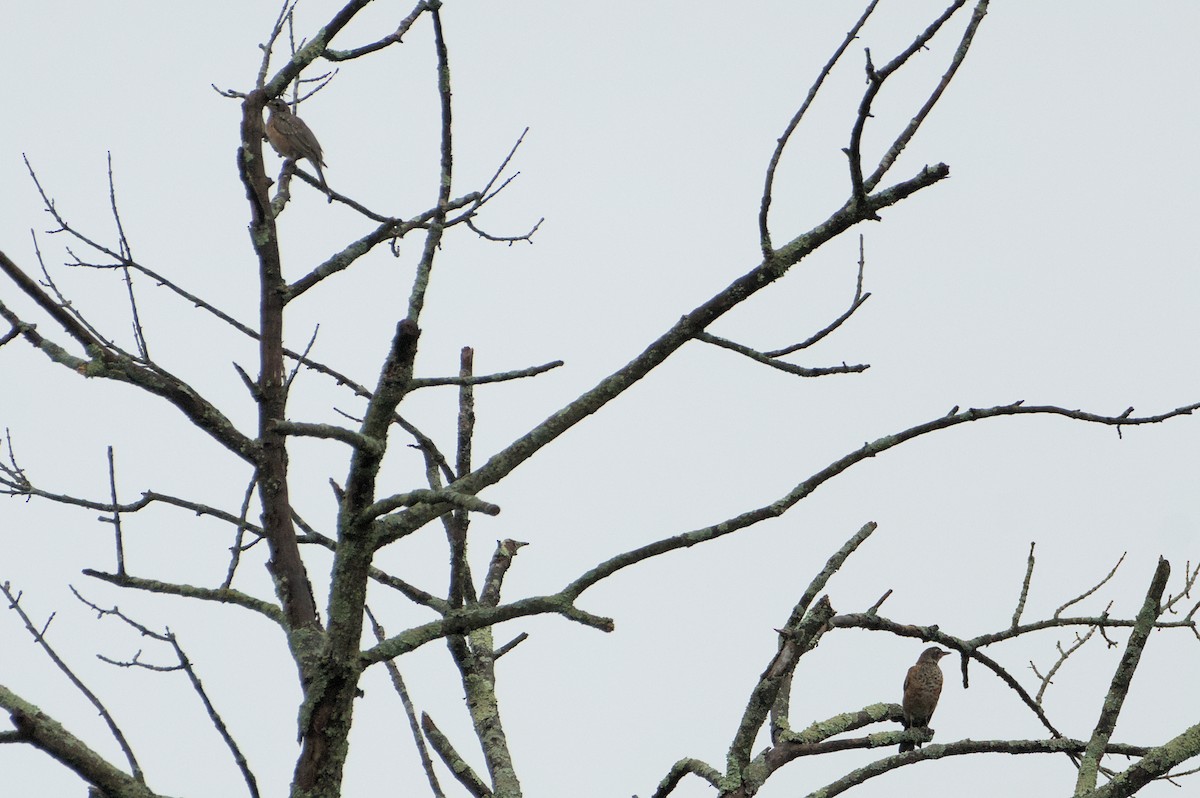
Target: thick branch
(48, 735)
(1110, 710)
(1158, 762)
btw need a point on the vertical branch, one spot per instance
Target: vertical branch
(478, 669)
(235, 556)
(116, 512)
(291, 579)
(461, 587)
(475, 656)
(437, 224)
(126, 258)
(1016, 619)
(1115, 699)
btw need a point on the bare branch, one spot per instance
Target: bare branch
(396, 37)
(914, 124)
(855, 304)
(764, 210)
(43, 732)
(1096, 587)
(462, 585)
(768, 360)
(332, 432)
(432, 497)
(1115, 699)
(805, 488)
(116, 511)
(106, 363)
(687, 328)
(504, 376)
(458, 766)
(1063, 655)
(219, 595)
(39, 637)
(930, 752)
(682, 768)
(1157, 762)
(1016, 619)
(185, 665)
(409, 710)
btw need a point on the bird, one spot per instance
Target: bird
(922, 688)
(293, 139)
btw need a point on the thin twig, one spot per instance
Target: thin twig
(39, 637)
(409, 710)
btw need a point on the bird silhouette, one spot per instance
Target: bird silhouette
(293, 139)
(922, 688)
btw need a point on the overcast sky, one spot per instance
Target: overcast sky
(1057, 265)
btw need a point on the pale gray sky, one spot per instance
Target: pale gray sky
(1056, 265)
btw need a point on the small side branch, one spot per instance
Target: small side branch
(769, 360)
(396, 37)
(1058, 612)
(332, 432)
(504, 376)
(220, 595)
(860, 297)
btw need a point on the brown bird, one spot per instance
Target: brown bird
(922, 687)
(293, 139)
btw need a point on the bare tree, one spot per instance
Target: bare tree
(378, 511)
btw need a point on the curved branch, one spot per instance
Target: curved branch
(683, 767)
(865, 452)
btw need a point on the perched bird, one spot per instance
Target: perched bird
(922, 687)
(293, 139)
